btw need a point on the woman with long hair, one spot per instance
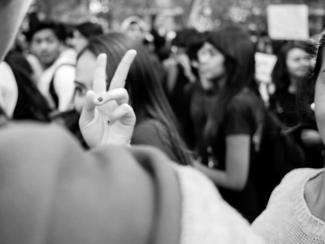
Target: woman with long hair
(293, 96)
(233, 127)
(293, 66)
(296, 209)
(156, 124)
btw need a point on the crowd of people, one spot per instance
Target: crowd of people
(130, 136)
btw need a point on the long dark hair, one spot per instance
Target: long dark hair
(319, 59)
(236, 46)
(143, 83)
(280, 74)
(306, 91)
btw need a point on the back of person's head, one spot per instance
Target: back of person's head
(57, 28)
(280, 73)
(134, 20)
(143, 83)
(183, 37)
(89, 29)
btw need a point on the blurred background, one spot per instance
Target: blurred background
(169, 15)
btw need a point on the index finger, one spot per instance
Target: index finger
(122, 70)
(99, 83)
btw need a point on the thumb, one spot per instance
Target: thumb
(88, 110)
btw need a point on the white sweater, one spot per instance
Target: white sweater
(206, 217)
(287, 218)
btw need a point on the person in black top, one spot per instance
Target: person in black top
(233, 127)
(31, 105)
(293, 98)
(293, 66)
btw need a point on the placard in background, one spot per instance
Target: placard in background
(288, 21)
(264, 64)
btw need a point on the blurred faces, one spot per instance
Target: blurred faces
(78, 41)
(85, 69)
(46, 46)
(298, 63)
(211, 62)
(135, 31)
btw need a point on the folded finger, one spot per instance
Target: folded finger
(119, 95)
(123, 113)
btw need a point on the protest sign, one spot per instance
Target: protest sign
(288, 21)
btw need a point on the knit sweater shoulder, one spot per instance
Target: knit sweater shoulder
(206, 217)
(287, 218)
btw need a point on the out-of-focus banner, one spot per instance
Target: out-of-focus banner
(288, 21)
(264, 64)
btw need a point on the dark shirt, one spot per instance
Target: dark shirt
(154, 133)
(284, 104)
(243, 115)
(202, 102)
(31, 105)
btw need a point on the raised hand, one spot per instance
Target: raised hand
(106, 117)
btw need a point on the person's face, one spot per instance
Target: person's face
(46, 47)
(298, 63)
(135, 32)
(85, 69)
(78, 41)
(211, 62)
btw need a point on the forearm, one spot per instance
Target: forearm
(237, 162)
(220, 178)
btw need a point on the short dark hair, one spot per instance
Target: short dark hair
(58, 29)
(89, 29)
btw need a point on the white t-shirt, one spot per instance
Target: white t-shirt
(63, 70)
(8, 89)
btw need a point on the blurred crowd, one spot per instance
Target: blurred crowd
(196, 97)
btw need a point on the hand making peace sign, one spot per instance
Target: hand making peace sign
(106, 117)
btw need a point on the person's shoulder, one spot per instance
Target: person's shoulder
(292, 183)
(148, 131)
(298, 175)
(245, 100)
(245, 97)
(150, 124)
(36, 142)
(22, 132)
